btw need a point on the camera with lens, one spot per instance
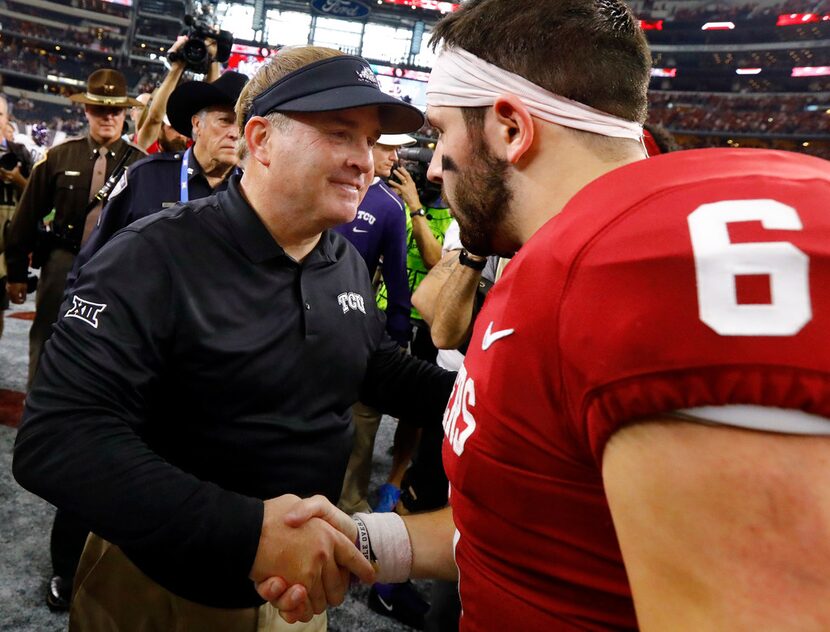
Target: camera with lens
(416, 161)
(194, 52)
(8, 160)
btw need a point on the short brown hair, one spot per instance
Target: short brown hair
(591, 51)
(286, 61)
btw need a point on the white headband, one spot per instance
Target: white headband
(460, 79)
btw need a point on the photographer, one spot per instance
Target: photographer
(426, 239)
(425, 228)
(150, 128)
(15, 166)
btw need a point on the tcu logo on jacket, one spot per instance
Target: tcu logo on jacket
(351, 301)
(459, 423)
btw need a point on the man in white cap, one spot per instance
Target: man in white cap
(638, 437)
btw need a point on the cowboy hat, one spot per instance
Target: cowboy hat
(106, 87)
(193, 96)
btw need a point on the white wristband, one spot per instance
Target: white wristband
(389, 542)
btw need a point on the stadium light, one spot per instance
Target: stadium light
(810, 71)
(790, 19)
(430, 5)
(651, 25)
(748, 71)
(664, 72)
(718, 26)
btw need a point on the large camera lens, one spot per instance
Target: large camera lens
(194, 52)
(415, 154)
(8, 161)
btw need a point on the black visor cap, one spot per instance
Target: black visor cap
(337, 83)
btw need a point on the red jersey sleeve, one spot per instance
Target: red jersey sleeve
(709, 285)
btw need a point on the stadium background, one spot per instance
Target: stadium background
(725, 73)
(751, 74)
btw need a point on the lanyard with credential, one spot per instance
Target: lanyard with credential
(184, 196)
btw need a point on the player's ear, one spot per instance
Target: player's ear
(514, 129)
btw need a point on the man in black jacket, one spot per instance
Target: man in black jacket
(200, 380)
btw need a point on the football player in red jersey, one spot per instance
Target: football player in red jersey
(639, 435)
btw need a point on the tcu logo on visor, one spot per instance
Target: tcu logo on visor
(351, 301)
(365, 74)
(86, 311)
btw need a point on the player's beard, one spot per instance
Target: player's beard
(481, 198)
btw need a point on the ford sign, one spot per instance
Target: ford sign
(341, 8)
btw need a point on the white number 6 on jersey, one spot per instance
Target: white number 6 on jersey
(718, 262)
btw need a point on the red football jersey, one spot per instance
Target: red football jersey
(691, 279)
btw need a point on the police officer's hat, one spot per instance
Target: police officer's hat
(106, 87)
(193, 96)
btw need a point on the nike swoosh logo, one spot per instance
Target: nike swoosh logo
(357, 230)
(491, 336)
(384, 604)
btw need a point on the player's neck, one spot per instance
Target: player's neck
(562, 169)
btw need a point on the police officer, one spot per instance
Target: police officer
(63, 183)
(201, 111)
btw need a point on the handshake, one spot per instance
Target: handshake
(307, 555)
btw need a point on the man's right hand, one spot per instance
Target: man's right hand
(16, 292)
(313, 555)
(180, 40)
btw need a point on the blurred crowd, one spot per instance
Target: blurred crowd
(727, 10)
(23, 51)
(90, 37)
(679, 112)
(723, 113)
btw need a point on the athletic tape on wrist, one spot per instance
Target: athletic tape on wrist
(387, 541)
